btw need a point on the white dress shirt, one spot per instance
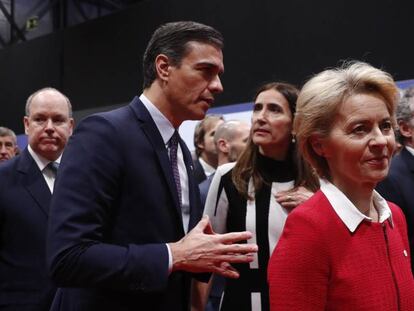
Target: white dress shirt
(167, 130)
(42, 163)
(208, 169)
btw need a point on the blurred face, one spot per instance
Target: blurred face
(272, 124)
(208, 146)
(407, 129)
(7, 148)
(239, 142)
(48, 124)
(360, 144)
(191, 86)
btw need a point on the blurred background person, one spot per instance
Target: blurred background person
(398, 186)
(345, 248)
(258, 192)
(230, 140)
(8, 144)
(205, 160)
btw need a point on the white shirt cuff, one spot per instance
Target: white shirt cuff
(170, 259)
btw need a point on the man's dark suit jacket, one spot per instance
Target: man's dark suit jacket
(204, 186)
(114, 207)
(24, 204)
(398, 187)
(199, 173)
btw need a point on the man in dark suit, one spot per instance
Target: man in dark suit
(120, 234)
(398, 187)
(26, 184)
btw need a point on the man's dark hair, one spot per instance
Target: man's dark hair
(172, 39)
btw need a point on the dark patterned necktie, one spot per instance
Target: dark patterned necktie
(173, 146)
(53, 167)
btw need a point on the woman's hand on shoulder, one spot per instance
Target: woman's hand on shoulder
(291, 198)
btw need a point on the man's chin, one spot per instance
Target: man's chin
(50, 152)
(199, 115)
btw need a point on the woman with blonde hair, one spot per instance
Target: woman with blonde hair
(345, 248)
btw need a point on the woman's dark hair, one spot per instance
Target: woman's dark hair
(246, 166)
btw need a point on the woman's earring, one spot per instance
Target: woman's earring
(293, 139)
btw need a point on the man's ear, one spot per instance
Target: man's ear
(200, 145)
(317, 145)
(405, 129)
(162, 66)
(71, 125)
(26, 124)
(223, 145)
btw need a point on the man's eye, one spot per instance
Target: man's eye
(257, 107)
(58, 121)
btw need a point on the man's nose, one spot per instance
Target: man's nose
(215, 85)
(49, 125)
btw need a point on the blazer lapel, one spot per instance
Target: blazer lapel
(193, 189)
(34, 181)
(151, 131)
(408, 159)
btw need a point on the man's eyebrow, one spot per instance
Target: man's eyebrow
(210, 65)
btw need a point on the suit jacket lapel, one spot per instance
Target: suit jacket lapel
(151, 131)
(194, 192)
(34, 181)
(408, 159)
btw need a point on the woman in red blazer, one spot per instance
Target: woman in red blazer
(346, 248)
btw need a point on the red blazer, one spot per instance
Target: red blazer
(319, 264)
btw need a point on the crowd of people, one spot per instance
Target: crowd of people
(289, 212)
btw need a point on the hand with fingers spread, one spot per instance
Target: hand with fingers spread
(291, 198)
(202, 250)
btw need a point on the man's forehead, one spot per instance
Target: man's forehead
(6, 138)
(203, 48)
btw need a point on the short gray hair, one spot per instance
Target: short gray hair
(405, 111)
(4, 131)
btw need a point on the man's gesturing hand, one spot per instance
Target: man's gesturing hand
(202, 250)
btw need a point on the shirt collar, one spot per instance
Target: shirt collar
(208, 169)
(163, 124)
(410, 150)
(348, 212)
(41, 161)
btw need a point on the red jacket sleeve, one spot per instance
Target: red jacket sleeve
(298, 271)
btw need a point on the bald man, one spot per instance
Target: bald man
(26, 186)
